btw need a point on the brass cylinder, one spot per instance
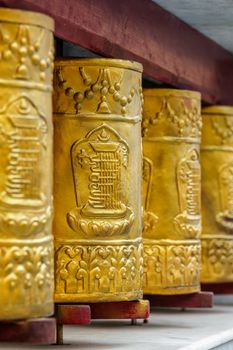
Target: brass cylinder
(97, 180)
(26, 244)
(217, 194)
(171, 129)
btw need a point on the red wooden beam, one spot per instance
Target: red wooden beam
(170, 50)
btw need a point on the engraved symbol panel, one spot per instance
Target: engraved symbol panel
(149, 218)
(23, 139)
(188, 223)
(225, 178)
(100, 171)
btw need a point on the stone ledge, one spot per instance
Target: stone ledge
(167, 329)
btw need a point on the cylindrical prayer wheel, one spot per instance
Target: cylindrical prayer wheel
(26, 243)
(97, 180)
(217, 194)
(171, 130)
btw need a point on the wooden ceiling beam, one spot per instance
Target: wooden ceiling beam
(169, 49)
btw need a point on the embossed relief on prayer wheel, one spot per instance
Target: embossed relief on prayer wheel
(26, 243)
(217, 194)
(97, 180)
(171, 130)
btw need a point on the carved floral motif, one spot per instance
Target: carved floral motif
(88, 270)
(22, 224)
(217, 259)
(26, 275)
(171, 266)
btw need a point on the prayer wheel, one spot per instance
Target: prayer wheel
(97, 180)
(26, 243)
(217, 194)
(171, 130)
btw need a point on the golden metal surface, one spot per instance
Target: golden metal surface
(171, 191)
(26, 247)
(217, 194)
(97, 177)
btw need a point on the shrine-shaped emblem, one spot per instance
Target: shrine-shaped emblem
(187, 223)
(149, 218)
(225, 178)
(23, 140)
(100, 164)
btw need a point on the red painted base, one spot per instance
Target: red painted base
(194, 300)
(121, 310)
(75, 314)
(218, 288)
(72, 314)
(32, 331)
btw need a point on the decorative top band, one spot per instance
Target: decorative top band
(100, 62)
(98, 86)
(218, 110)
(26, 48)
(170, 112)
(217, 126)
(172, 92)
(26, 18)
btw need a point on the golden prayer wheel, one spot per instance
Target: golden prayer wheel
(171, 130)
(97, 180)
(217, 194)
(26, 243)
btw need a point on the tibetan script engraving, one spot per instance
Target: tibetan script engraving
(225, 177)
(188, 178)
(99, 163)
(149, 218)
(23, 136)
(170, 266)
(26, 138)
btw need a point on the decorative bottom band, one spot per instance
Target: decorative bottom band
(217, 259)
(26, 278)
(171, 267)
(98, 272)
